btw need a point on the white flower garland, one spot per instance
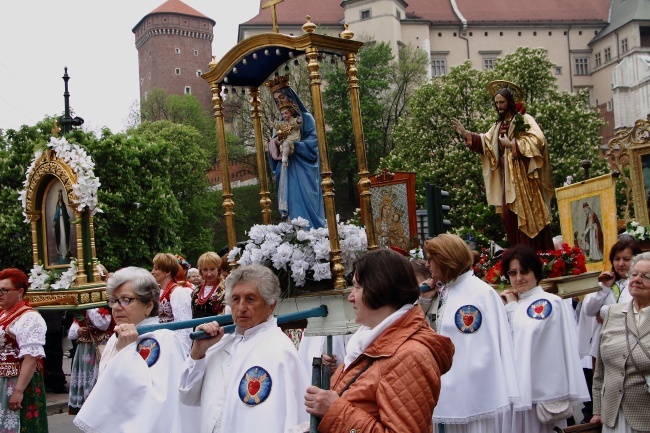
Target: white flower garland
(81, 163)
(43, 279)
(293, 248)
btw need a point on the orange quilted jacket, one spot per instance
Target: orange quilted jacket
(398, 392)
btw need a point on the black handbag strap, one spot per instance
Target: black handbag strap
(365, 367)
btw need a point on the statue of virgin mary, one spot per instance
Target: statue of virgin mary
(299, 191)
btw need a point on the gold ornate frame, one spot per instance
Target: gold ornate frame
(602, 188)
(639, 153)
(88, 289)
(620, 153)
(249, 64)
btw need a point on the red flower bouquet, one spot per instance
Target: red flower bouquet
(557, 263)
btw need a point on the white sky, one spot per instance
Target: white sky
(94, 40)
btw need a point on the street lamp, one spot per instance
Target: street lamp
(67, 121)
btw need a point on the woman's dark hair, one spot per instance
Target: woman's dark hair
(624, 242)
(387, 279)
(527, 258)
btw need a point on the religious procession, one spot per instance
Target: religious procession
(391, 323)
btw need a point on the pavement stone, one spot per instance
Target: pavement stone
(58, 403)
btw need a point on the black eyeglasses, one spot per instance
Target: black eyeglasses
(512, 273)
(4, 291)
(123, 301)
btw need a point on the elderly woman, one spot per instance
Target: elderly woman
(622, 376)
(548, 368)
(137, 389)
(22, 336)
(175, 299)
(208, 298)
(194, 277)
(472, 315)
(400, 357)
(251, 380)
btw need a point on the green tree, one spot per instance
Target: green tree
(427, 143)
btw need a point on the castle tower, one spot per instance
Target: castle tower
(174, 43)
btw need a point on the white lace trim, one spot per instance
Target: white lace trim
(480, 416)
(574, 398)
(83, 426)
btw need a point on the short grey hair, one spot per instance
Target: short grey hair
(266, 281)
(193, 271)
(142, 282)
(638, 258)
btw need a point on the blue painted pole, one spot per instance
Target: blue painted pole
(286, 318)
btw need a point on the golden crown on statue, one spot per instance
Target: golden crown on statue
(278, 83)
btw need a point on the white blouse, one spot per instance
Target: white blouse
(29, 330)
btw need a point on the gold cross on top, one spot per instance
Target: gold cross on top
(271, 4)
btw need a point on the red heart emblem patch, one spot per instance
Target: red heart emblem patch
(538, 309)
(144, 353)
(468, 319)
(254, 386)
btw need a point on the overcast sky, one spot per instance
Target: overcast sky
(94, 40)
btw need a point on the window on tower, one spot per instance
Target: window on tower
(178, 50)
(188, 90)
(178, 71)
(198, 73)
(196, 52)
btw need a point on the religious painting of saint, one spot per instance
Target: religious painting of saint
(389, 206)
(588, 218)
(588, 232)
(59, 232)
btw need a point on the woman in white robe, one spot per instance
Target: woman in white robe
(548, 367)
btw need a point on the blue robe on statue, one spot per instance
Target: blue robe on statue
(299, 190)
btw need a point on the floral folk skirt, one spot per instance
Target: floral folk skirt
(32, 418)
(83, 376)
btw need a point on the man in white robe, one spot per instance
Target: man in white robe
(251, 380)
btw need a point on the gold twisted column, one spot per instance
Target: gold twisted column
(81, 260)
(228, 204)
(364, 182)
(327, 184)
(256, 114)
(93, 252)
(33, 220)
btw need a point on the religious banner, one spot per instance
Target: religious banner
(393, 210)
(588, 218)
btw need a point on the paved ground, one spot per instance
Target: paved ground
(58, 403)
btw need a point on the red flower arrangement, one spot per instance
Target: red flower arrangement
(520, 125)
(557, 263)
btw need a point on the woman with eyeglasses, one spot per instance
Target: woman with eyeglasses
(22, 336)
(137, 389)
(547, 363)
(477, 393)
(622, 375)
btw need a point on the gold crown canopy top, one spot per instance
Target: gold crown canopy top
(497, 85)
(278, 83)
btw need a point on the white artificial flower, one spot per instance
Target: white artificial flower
(257, 233)
(322, 271)
(322, 249)
(257, 257)
(634, 224)
(233, 254)
(300, 222)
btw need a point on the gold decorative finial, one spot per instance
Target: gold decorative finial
(308, 27)
(274, 18)
(347, 33)
(213, 63)
(278, 83)
(56, 129)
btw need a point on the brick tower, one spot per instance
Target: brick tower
(174, 43)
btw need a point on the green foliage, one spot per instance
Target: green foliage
(425, 141)
(385, 86)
